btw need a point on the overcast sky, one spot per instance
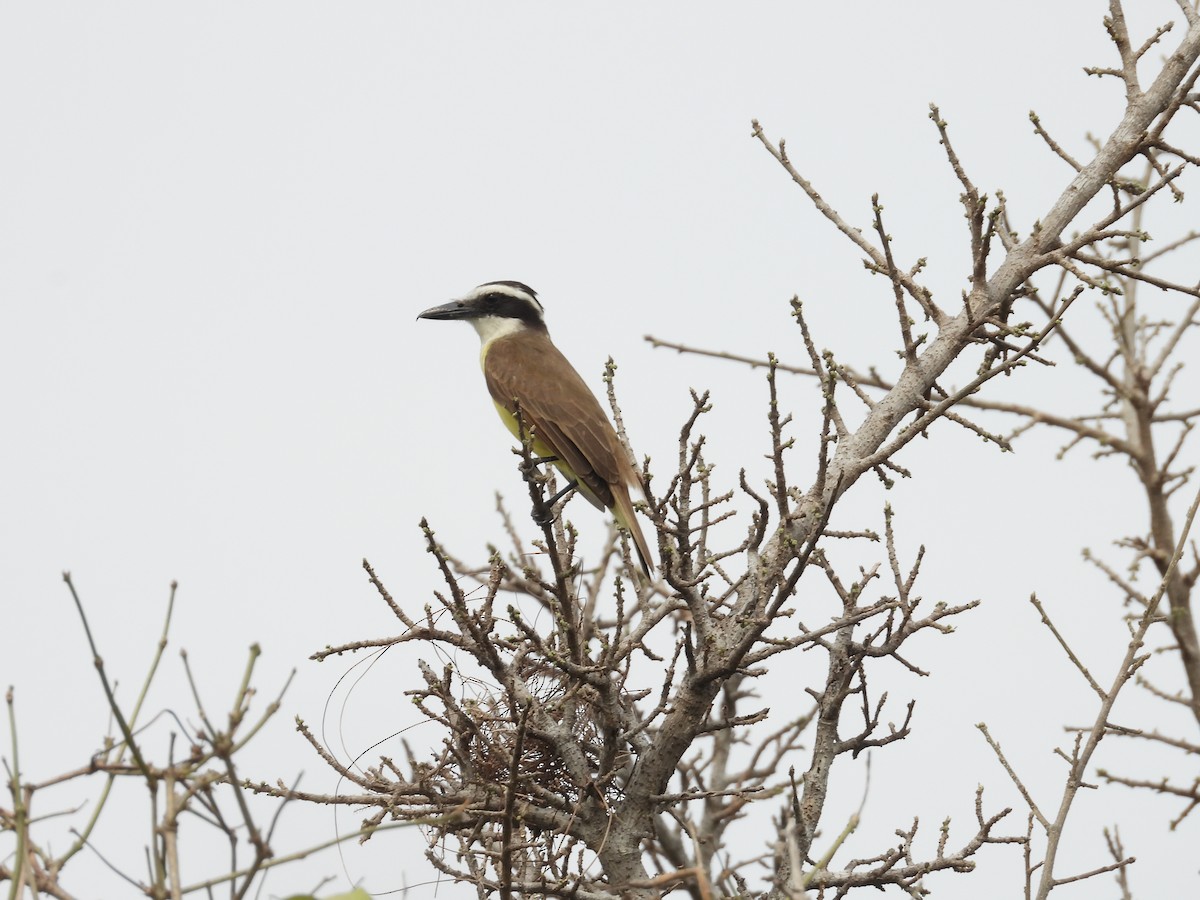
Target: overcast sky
(218, 222)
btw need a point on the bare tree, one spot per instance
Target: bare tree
(616, 748)
(606, 736)
(195, 795)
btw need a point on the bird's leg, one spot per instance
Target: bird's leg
(538, 460)
(546, 519)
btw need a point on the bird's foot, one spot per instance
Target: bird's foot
(547, 517)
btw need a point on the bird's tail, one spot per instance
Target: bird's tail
(624, 514)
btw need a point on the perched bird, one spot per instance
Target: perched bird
(523, 367)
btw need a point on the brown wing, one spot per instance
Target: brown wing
(564, 414)
(527, 368)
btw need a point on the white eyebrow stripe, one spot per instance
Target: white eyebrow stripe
(495, 287)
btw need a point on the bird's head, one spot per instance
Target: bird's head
(495, 309)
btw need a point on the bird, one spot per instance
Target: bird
(523, 369)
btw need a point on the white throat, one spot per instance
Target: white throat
(491, 328)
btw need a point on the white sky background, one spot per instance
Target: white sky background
(218, 222)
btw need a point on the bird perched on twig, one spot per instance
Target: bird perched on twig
(524, 370)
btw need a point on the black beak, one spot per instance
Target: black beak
(455, 309)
